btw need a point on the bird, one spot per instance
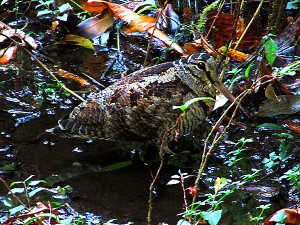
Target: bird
(138, 108)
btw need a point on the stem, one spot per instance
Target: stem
(246, 29)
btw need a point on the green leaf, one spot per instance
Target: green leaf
(248, 70)
(17, 190)
(212, 217)
(9, 167)
(117, 166)
(43, 12)
(42, 215)
(16, 209)
(28, 178)
(271, 49)
(36, 182)
(32, 193)
(191, 101)
(270, 126)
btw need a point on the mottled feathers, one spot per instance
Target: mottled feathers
(139, 107)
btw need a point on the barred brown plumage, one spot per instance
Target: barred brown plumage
(139, 107)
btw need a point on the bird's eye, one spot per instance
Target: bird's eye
(200, 66)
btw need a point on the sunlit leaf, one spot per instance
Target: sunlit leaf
(32, 193)
(234, 54)
(76, 40)
(7, 54)
(172, 182)
(17, 190)
(36, 182)
(43, 12)
(16, 209)
(140, 24)
(219, 183)
(28, 178)
(271, 49)
(183, 222)
(212, 217)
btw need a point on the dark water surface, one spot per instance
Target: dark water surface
(31, 102)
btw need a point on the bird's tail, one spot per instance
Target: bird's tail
(70, 128)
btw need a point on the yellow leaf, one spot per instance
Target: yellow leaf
(76, 40)
(219, 183)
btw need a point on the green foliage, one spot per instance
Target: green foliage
(213, 215)
(271, 48)
(263, 208)
(235, 154)
(293, 176)
(203, 18)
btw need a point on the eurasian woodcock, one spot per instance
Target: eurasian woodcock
(139, 107)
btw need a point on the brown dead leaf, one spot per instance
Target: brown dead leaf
(187, 13)
(270, 93)
(295, 126)
(192, 48)
(223, 27)
(287, 104)
(7, 54)
(97, 25)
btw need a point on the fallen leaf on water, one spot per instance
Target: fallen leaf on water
(287, 104)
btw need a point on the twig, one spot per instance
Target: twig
(61, 84)
(161, 152)
(151, 38)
